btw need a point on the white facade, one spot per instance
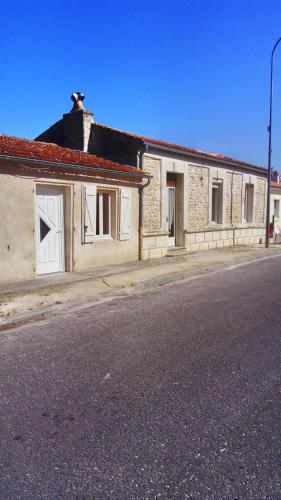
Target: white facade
(216, 205)
(275, 211)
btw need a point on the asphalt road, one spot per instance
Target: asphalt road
(173, 393)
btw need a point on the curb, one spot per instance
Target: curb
(22, 319)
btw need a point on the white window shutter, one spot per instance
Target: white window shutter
(90, 195)
(125, 214)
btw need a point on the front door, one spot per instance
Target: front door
(50, 229)
(171, 215)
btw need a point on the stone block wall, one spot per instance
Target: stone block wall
(260, 201)
(151, 196)
(154, 246)
(208, 240)
(199, 232)
(233, 202)
(198, 197)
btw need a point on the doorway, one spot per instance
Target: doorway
(49, 229)
(171, 209)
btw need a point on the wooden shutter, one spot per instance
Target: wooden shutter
(125, 214)
(89, 227)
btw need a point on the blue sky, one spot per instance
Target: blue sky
(194, 72)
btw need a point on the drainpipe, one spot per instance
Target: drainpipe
(141, 152)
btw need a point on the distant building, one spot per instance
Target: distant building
(275, 209)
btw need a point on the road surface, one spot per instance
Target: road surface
(172, 393)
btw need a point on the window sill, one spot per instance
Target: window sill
(103, 238)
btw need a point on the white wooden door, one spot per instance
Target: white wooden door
(171, 216)
(50, 229)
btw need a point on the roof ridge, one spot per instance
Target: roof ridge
(180, 147)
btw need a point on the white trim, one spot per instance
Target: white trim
(88, 213)
(276, 202)
(171, 239)
(125, 216)
(56, 230)
(217, 187)
(101, 235)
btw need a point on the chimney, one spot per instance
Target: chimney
(77, 124)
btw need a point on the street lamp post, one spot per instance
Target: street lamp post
(269, 128)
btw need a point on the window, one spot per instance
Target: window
(217, 195)
(106, 213)
(103, 214)
(276, 208)
(249, 202)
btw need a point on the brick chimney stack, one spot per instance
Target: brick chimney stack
(77, 124)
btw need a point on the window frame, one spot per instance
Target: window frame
(217, 217)
(112, 209)
(118, 209)
(249, 209)
(276, 202)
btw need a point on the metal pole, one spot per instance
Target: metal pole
(269, 128)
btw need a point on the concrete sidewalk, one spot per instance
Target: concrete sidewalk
(52, 293)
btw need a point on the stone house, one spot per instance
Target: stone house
(64, 210)
(195, 200)
(202, 201)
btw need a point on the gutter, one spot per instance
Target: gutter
(71, 166)
(202, 156)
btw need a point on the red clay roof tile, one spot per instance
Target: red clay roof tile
(24, 148)
(185, 149)
(276, 184)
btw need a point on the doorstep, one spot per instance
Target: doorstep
(176, 251)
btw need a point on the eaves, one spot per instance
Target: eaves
(206, 157)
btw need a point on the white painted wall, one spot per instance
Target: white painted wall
(18, 256)
(275, 194)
